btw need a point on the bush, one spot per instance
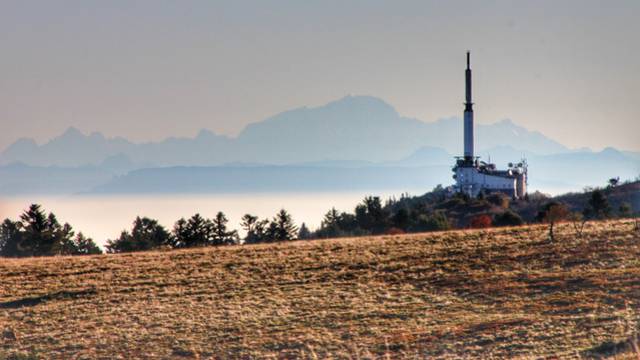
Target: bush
(436, 221)
(508, 218)
(480, 221)
(499, 199)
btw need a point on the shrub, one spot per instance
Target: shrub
(508, 218)
(480, 221)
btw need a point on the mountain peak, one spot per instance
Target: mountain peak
(71, 133)
(364, 101)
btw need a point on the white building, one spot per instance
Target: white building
(474, 176)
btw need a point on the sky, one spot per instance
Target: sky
(151, 69)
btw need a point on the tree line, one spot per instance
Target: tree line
(36, 233)
(197, 231)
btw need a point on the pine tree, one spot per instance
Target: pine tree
(304, 233)
(220, 234)
(255, 229)
(282, 227)
(146, 234)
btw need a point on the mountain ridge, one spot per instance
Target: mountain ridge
(362, 128)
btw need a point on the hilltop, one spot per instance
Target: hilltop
(504, 293)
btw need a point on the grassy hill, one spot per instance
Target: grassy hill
(504, 292)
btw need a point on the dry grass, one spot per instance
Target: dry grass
(496, 293)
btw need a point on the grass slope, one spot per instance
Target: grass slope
(495, 293)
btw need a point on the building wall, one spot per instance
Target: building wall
(471, 181)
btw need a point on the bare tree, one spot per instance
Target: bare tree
(554, 214)
(578, 220)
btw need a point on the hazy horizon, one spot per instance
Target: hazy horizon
(150, 70)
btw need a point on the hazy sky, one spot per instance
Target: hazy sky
(150, 69)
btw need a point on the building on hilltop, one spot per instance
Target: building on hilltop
(473, 176)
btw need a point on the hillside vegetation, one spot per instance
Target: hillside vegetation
(506, 292)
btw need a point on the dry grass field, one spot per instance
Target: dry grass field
(500, 293)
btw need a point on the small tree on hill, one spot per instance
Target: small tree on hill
(197, 231)
(371, 215)
(282, 227)
(578, 220)
(39, 234)
(146, 234)
(220, 234)
(401, 219)
(598, 206)
(304, 233)
(436, 221)
(554, 214)
(625, 210)
(255, 228)
(10, 238)
(85, 246)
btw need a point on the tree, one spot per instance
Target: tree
(304, 233)
(508, 218)
(330, 225)
(146, 234)
(480, 221)
(554, 214)
(255, 228)
(436, 221)
(197, 231)
(578, 220)
(598, 206)
(85, 246)
(220, 234)
(625, 210)
(401, 219)
(39, 234)
(10, 238)
(371, 216)
(282, 227)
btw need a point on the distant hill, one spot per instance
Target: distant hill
(360, 128)
(423, 169)
(232, 179)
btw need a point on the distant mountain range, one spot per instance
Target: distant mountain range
(353, 128)
(355, 142)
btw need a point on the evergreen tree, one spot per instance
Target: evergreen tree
(282, 227)
(146, 234)
(304, 233)
(330, 225)
(197, 231)
(39, 234)
(256, 229)
(371, 216)
(85, 246)
(402, 219)
(220, 234)
(10, 238)
(598, 206)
